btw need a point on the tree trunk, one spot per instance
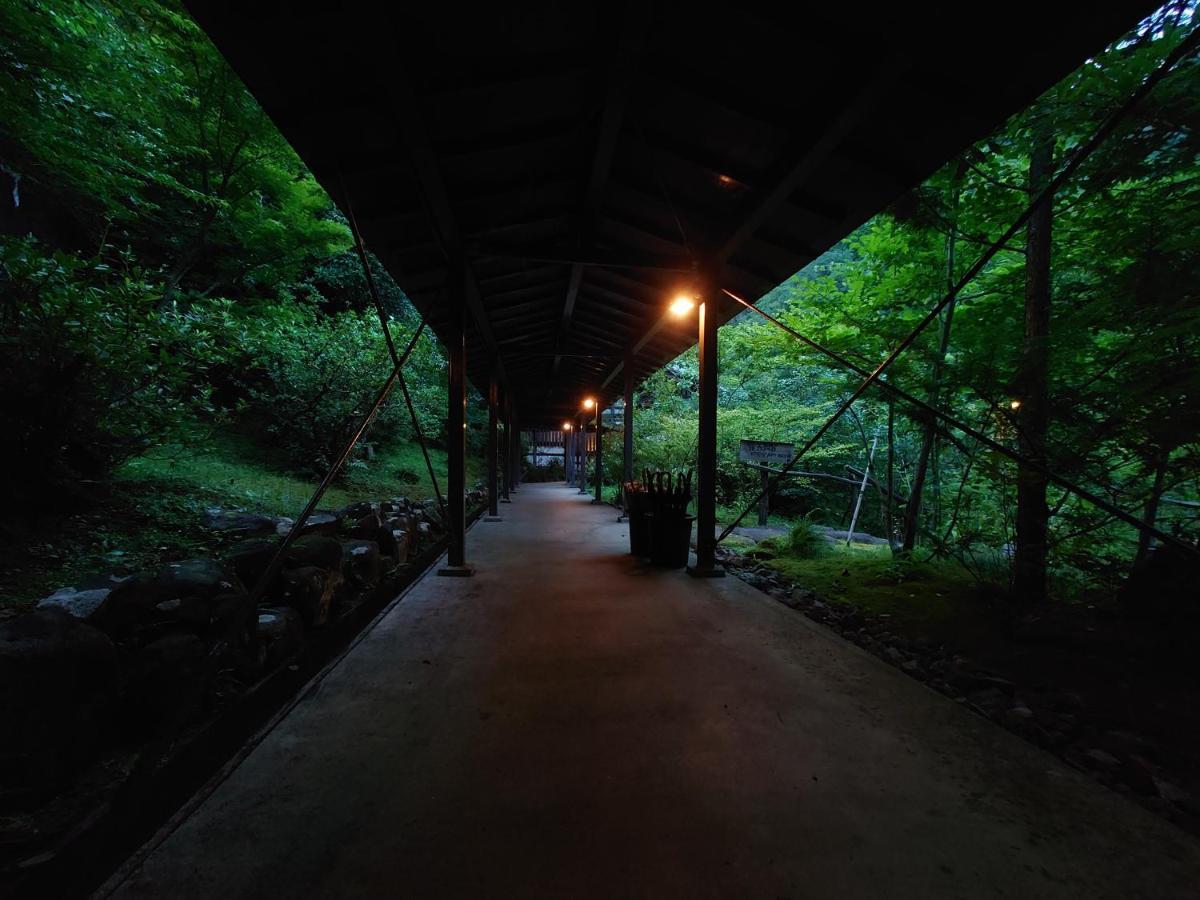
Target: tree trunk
(1032, 381)
(1151, 510)
(889, 509)
(912, 512)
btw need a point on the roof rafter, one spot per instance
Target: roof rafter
(620, 76)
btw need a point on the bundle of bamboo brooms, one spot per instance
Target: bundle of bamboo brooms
(668, 493)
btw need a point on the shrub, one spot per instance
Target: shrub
(804, 541)
(95, 367)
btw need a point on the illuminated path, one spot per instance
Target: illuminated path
(567, 724)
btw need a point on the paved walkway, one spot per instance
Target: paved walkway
(570, 724)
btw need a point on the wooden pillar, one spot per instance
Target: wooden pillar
(581, 467)
(506, 452)
(706, 444)
(628, 460)
(599, 473)
(456, 430)
(493, 451)
(515, 459)
(569, 456)
(764, 503)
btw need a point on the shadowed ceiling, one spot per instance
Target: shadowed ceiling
(575, 163)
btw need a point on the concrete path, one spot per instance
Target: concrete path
(571, 724)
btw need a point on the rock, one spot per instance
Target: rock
(990, 699)
(281, 631)
(321, 523)
(239, 523)
(168, 679)
(315, 550)
(231, 618)
(136, 601)
(1125, 743)
(83, 601)
(203, 578)
(309, 590)
(1066, 700)
(367, 527)
(284, 524)
(58, 681)
(976, 681)
(800, 597)
(361, 563)
(424, 530)
(357, 510)
(190, 612)
(394, 542)
(1101, 759)
(1017, 717)
(404, 523)
(250, 559)
(852, 619)
(1138, 773)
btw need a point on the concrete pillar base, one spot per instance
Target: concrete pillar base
(456, 571)
(706, 572)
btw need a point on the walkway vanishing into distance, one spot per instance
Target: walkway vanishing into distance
(570, 724)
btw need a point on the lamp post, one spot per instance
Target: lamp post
(588, 403)
(599, 498)
(706, 437)
(568, 453)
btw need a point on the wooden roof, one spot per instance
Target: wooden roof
(579, 159)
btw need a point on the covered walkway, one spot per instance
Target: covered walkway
(569, 723)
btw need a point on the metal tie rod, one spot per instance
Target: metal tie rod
(991, 444)
(1106, 128)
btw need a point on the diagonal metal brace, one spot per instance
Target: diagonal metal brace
(1107, 127)
(932, 411)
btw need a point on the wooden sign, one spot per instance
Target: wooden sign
(764, 453)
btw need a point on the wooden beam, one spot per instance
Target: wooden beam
(805, 156)
(433, 190)
(620, 76)
(583, 256)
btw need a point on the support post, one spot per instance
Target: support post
(628, 467)
(627, 435)
(599, 498)
(493, 451)
(456, 432)
(514, 456)
(706, 444)
(764, 502)
(581, 474)
(506, 469)
(569, 456)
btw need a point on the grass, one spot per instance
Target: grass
(935, 600)
(231, 471)
(153, 511)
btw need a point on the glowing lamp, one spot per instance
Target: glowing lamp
(1015, 404)
(588, 403)
(682, 305)
(566, 426)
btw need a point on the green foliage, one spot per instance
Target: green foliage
(94, 368)
(1125, 339)
(308, 381)
(804, 542)
(126, 116)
